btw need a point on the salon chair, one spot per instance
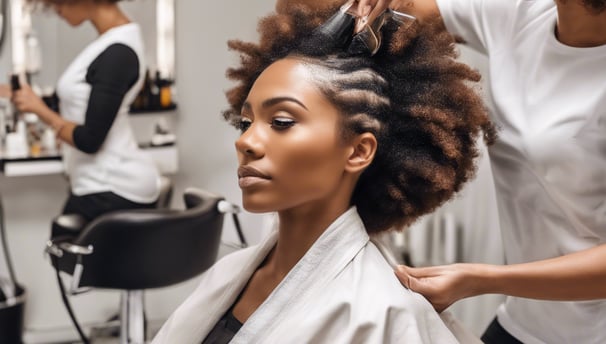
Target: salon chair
(70, 225)
(134, 250)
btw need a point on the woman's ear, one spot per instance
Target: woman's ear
(364, 148)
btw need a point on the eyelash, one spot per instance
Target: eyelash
(282, 123)
(278, 124)
(243, 124)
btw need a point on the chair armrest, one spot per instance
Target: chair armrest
(227, 208)
(57, 248)
(76, 249)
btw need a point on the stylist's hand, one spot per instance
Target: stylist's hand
(441, 285)
(373, 8)
(368, 10)
(26, 100)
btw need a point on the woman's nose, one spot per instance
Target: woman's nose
(250, 143)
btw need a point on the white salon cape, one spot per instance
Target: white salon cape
(343, 290)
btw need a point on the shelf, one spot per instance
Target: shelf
(170, 108)
(165, 157)
(31, 166)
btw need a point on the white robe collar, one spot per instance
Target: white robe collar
(338, 245)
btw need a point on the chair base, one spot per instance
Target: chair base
(132, 322)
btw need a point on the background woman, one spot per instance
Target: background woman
(342, 145)
(106, 169)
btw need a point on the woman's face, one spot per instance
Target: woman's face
(291, 153)
(73, 12)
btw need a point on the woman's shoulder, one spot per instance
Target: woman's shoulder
(127, 34)
(379, 283)
(124, 39)
(367, 302)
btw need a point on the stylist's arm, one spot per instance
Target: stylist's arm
(26, 100)
(574, 277)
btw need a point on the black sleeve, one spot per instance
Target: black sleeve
(110, 75)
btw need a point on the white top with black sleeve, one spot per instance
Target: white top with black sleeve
(95, 92)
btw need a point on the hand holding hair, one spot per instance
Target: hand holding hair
(370, 10)
(421, 9)
(441, 285)
(576, 276)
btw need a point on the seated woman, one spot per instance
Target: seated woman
(342, 144)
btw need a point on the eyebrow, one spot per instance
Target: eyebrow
(273, 101)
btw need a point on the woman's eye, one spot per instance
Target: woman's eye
(244, 124)
(282, 123)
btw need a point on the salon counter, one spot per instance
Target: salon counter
(165, 156)
(50, 164)
(145, 126)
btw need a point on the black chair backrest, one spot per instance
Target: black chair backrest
(152, 248)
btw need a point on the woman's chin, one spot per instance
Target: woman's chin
(255, 208)
(256, 205)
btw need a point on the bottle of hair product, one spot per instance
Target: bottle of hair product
(164, 91)
(143, 99)
(165, 94)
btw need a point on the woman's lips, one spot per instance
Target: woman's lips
(249, 176)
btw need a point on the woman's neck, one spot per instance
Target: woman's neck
(299, 227)
(108, 16)
(298, 230)
(578, 27)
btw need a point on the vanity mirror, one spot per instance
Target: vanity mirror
(3, 20)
